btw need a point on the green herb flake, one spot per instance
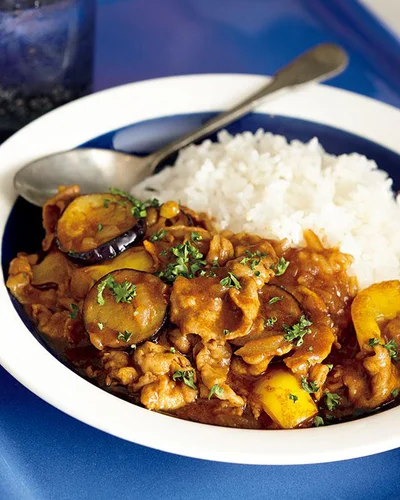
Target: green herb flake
(186, 376)
(215, 389)
(296, 332)
(310, 387)
(231, 281)
(332, 400)
(159, 235)
(125, 336)
(100, 325)
(123, 292)
(139, 208)
(195, 236)
(318, 421)
(100, 227)
(293, 397)
(270, 321)
(280, 267)
(106, 203)
(330, 367)
(188, 262)
(227, 332)
(395, 393)
(311, 348)
(74, 311)
(152, 203)
(274, 299)
(172, 350)
(392, 347)
(253, 259)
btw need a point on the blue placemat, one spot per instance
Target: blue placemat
(45, 454)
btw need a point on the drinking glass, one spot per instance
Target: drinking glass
(46, 57)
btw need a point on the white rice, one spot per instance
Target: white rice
(262, 184)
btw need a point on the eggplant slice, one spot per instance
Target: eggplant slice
(97, 227)
(278, 307)
(124, 308)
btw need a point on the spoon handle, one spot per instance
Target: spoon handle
(317, 64)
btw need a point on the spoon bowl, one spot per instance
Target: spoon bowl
(96, 170)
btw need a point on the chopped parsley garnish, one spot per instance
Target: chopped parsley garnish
(310, 387)
(252, 259)
(100, 325)
(391, 346)
(330, 367)
(214, 263)
(215, 389)
(274, 299)
(188, 261)
(332, 400)
(196, 236)
(100, 227)
(139, 208)
(106, 202)
(125, 336)
(159, 235)
(187, 377)
(231, 281)
(318, 421)
(395, 393)
(172, 349)
(311, 348)
(227, 332)
(280, 267)
(293, 397)
(74, 311)
(270, 321)
(152, 203)
(296, 332)
(123, 292)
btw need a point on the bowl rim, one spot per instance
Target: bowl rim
(30, 363)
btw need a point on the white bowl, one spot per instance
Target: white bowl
(30, 363)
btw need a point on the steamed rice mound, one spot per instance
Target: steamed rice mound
(260, 183)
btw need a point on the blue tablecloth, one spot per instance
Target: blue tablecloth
(45, 454)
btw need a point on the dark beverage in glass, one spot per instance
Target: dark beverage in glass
(46, 57)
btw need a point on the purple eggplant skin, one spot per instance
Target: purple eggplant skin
(189, 218)
(111, 248)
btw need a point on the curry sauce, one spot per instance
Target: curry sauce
(217, 327)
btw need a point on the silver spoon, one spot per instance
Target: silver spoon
(95, 170)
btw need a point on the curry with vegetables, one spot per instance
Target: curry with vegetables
(153, 304)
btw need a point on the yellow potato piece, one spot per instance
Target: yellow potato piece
(273, 392)
(135, 258)
(378, 302)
